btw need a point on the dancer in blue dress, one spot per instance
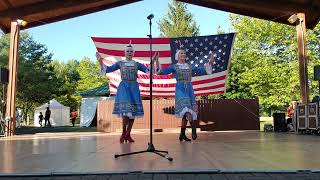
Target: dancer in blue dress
(185, 103)
(128, 103)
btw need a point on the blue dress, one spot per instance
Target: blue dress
(185, 100)
(128, 99)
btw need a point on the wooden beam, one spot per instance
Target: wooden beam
(4, 28)
(13, 67)
(78, 13)
(42, 6)
(272, 10)
(8, 4)
(302, 56)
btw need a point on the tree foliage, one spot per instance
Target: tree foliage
(178, 22)
(36, 81)
(264, 62)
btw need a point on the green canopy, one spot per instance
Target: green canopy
(99, 91)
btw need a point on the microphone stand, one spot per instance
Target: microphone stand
(151, 147)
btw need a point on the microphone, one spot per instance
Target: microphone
(150, 16)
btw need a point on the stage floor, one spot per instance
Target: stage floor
(94, 153)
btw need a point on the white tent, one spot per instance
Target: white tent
(88, 109)
(60, 114)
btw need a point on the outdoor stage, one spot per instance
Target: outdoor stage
(94, 153)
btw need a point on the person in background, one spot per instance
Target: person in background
(17, 118)
(290, 113)
(47, 118)
(40, 119)
(73, 116)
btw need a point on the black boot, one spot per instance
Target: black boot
(183, 135)
(194, 130)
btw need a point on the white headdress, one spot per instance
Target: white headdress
(176, 57)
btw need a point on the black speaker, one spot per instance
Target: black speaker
(316, 72)
(279, 122)
(4, 73)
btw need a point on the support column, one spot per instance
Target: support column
(12, 84)
(302, 56)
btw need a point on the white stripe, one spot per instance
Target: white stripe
(168, 81)
(136, 47)
(162, 60)
(116, 83)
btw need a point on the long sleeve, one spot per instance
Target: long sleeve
(167, 70)
(143, 68)
(107, 69)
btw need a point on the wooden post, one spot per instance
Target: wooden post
(302, 55)
(12, 84)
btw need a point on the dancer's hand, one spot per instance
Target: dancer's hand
(99, 58)
(155, 57)
(211, 62)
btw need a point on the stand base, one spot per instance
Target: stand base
(150, 149)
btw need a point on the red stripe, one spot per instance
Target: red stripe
(133, 40)
(173, 84)
(223, 77)
(197, 89)
(109, 62)
(204, 94)
(136, 53)
(146, 76)
(172, 96)
(193, 83)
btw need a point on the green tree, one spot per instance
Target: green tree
(89, 75)
(264, 62)
(68, 77)
(36, 79)
(178, 22)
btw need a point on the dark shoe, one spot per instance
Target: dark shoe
(183, 137)
(194, 130)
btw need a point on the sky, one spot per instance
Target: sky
(70, 39)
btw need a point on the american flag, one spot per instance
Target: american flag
(198, 51)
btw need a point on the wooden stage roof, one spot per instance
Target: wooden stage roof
(273, 10)
(40, 12)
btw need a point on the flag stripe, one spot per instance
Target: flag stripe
(136, 53)
(171, 88)
(163, 79)
(137, 47)
(109, 60)
(126, 41)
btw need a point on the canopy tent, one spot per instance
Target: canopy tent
(88, 109)
(90, 99)
(60, 114)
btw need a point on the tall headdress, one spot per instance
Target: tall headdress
(176, 57)
(129, 46)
